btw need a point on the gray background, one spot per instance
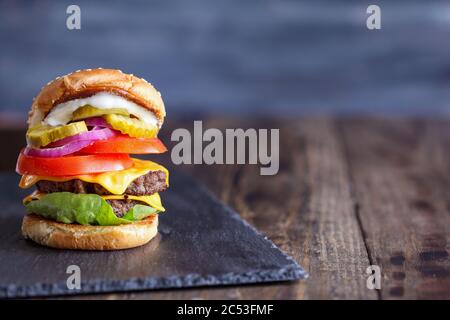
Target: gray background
(251, 57)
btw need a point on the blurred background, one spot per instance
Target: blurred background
(257, 57)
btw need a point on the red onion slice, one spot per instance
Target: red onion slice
(97, 122)
(64, 150)
(91, 135)
(70, 144)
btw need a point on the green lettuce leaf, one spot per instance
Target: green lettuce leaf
(139, 212)
(85, 209)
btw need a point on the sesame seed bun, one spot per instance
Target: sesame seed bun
(74, 236)
(85, 83)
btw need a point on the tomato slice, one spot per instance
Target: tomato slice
(72, 165)
(126, 144)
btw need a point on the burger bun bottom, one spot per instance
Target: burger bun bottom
(74, 236)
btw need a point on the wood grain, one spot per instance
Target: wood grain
(306, 209)
(349, 193)
(400, 172)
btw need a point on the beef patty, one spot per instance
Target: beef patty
(120, 207)
(154, 181)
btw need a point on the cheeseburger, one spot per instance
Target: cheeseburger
(90, 194)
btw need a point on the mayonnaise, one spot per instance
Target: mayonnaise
(62, 113)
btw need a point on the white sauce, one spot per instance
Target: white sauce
(61, 113)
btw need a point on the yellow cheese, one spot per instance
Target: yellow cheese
(115, 182)
(153, 200)
(36, 195)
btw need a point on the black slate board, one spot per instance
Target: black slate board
(201, 242)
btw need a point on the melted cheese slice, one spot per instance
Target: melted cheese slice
(115, 182)
(153, 200)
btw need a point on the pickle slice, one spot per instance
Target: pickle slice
(43, 134)
(131, 126)
(89, 111)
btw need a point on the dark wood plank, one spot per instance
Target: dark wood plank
(373, 185)
(14, 140)
(306, 209)
(400, 171)
(321, 218)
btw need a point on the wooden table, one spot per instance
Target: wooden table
(350, 193)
